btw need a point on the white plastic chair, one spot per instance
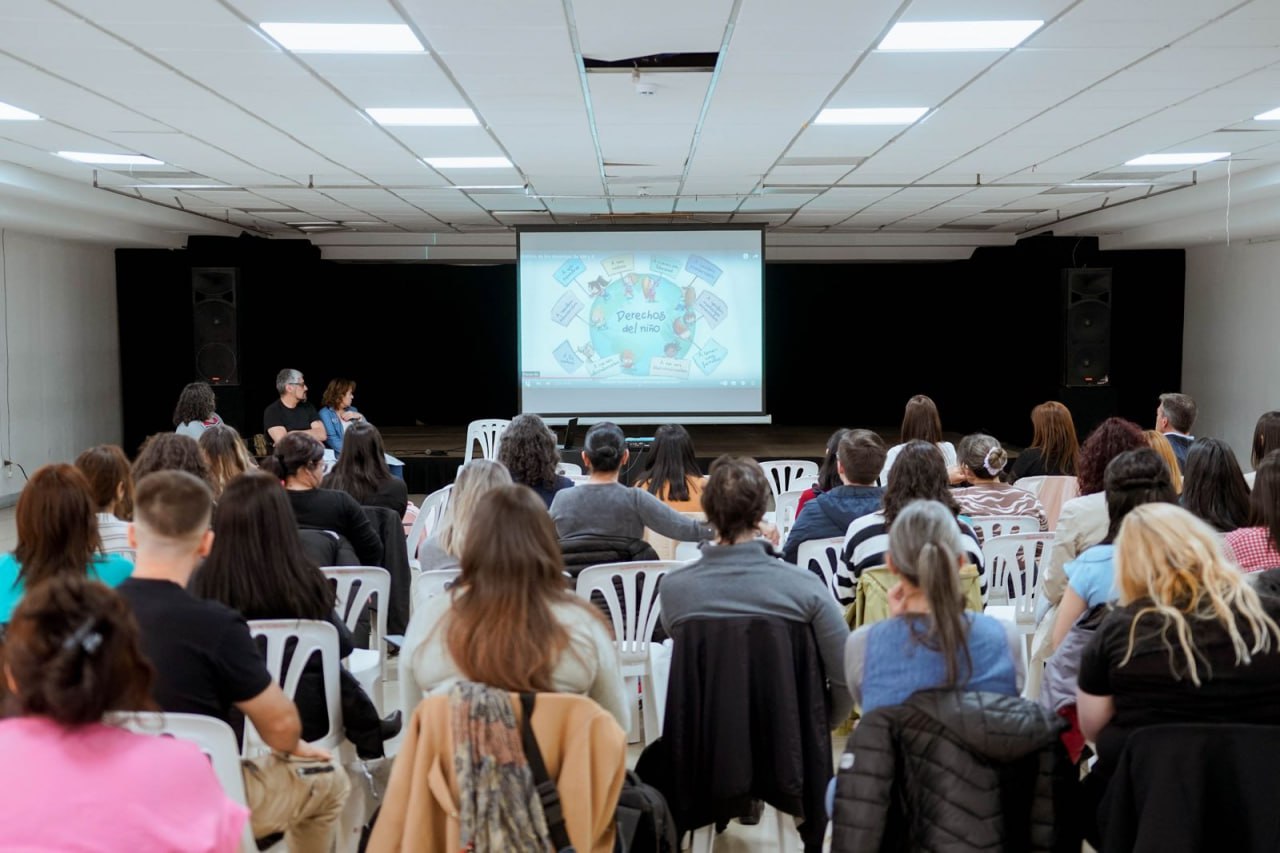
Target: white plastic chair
(215, 739)
(312, 637)
(487, 434)
(1014, 558)
(1052, 492)
(991, 526)
(568, 469)
(429, 515)
(430, 584)
(355, 586)
(785, 474)
(822, 557)
(634, 617)
(784, 514)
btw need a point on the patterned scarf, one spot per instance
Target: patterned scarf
(499, 808)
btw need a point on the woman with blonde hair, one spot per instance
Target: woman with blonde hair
(227, 456)
(1191, 640)
(443, 550)
(1054, 449)
(1161, 445)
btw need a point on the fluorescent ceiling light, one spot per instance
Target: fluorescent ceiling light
(467, 162)
(8, 112)
(109, 159)
(1269, 115)
(1185, 158)
(432, 117)
(871, 115)
(958, 35)
(344, 38)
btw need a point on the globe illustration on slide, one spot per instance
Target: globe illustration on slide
(640, 316)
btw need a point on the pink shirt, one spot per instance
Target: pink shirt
(100, 788)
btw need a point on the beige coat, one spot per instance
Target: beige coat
(584, 748)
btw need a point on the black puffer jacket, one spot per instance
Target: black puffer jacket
(949, 771)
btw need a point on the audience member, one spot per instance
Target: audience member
(1162, 446)
(168, 451)
(57, 534)
(919, 474)
(671, 471)
(1266, 437)
(509, 621)
(258, 567)
(1213, 485)
(1174, 417)
(207, 663)
(920, 422)
(860, 456)
(337, 413)
(981, 464)
(828, 476)
(604, 507)
(1190, 642)
(226, 454)
(930, 642)
(362, 472)
(738, 576)
(1054, 451)
(292, 412)
(1133, 478)
(73, 782)
(195, 410)
(106, 469)
(528, 450)
(443, 549)
(298, 461)
(1256, 547)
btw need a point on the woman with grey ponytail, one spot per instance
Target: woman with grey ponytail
(930, 641)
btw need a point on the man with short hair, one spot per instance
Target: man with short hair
(859, 458)
(292, 412)
(1174, 417)
(206, 662)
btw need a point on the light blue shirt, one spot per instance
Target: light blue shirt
(111, 569)
(1092, 575)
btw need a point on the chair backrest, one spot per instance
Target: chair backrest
(1052, 492)
(1013, 562)
(291, 643)
(635, 615)
(784, 512)
(822, 556)
(429, 515)
(783, 473)
(666, 547)
(355, 586)
(989, 526)
(214, 738)
(430, 584)
(568, 469)
(486, 434)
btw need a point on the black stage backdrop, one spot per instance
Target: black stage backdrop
(845, 344)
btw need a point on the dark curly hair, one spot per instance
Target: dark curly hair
(919, 473)
(1112, 437)
(528, 449)
(168, 451)
(195, 403)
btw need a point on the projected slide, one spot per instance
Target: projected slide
(641, 321)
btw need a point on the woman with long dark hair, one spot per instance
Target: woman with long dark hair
(930, 642)
(1054, 450)
(257, 566)
(72, 655)
(919, 474)
(671, 471)
(920, 422)
(57, 534)
(362, 472)
(106, 469)
(828, 475)
(1257, 546)
(509, 620)
(528, 450)
(1266, 438)
(1213, 486)
(298, 462)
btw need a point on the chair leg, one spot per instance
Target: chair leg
(632, 684)
(787, 832)
(702, 840)
(652, 713)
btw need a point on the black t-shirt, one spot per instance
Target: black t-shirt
(330, 509)
(203, 654)
(1146, 692)
(299, 417)
(1030, 463)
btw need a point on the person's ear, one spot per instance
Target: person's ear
(586, 463)
(9, 680)
(840, 468)
(893, 570)
(206, 544)
(120, 490)
(132, 535)
(626, 454)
